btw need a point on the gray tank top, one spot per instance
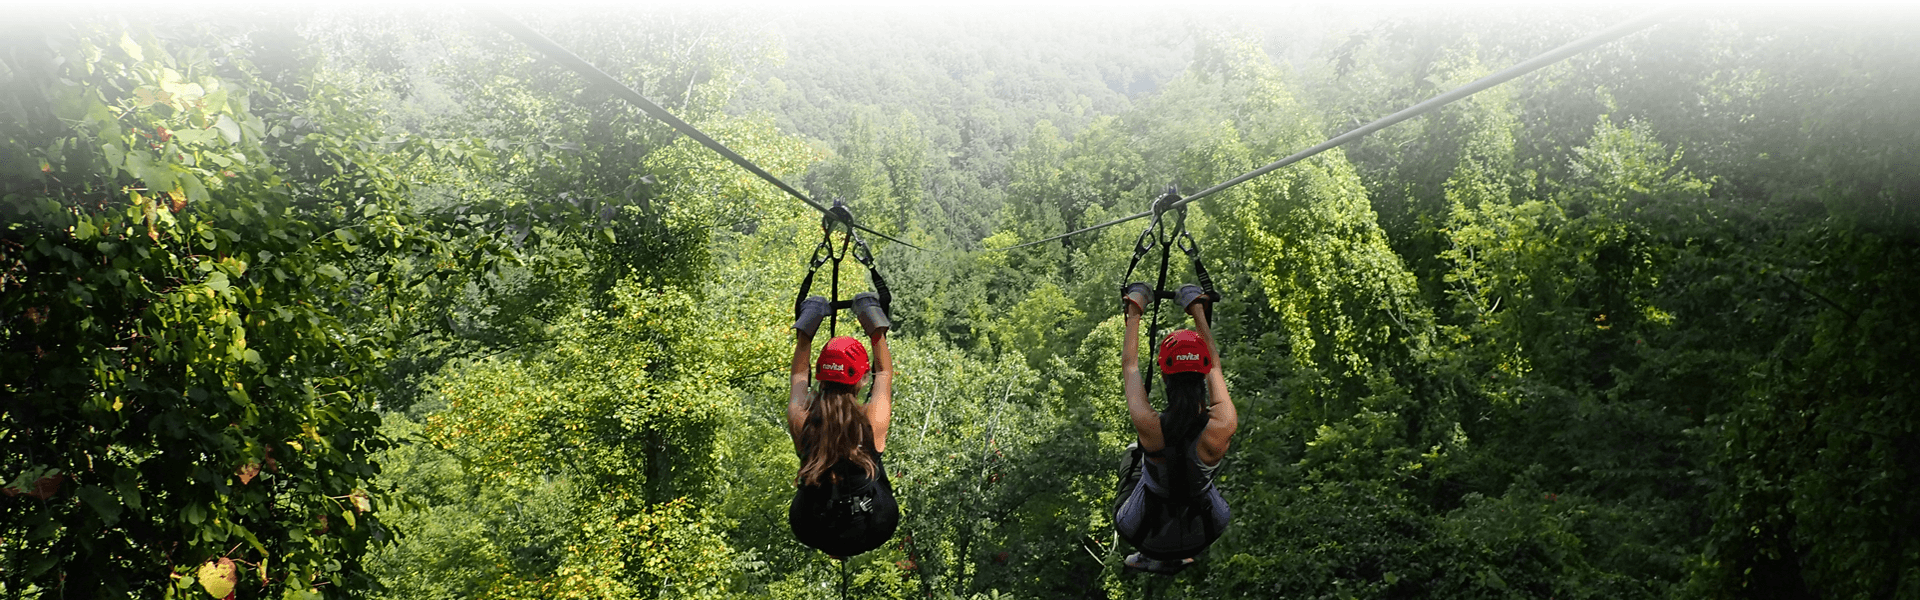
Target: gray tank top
(1201, 475)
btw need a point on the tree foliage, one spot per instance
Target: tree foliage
(191, 278)
(385, 305)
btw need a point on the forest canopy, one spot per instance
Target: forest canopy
(381, 303)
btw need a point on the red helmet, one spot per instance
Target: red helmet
(844, 360)
(1184, 352)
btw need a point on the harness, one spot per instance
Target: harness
(844, 499)
(839, 217)
(1178, 526)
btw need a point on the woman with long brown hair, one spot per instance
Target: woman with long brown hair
(844, 505)
(1167, 505)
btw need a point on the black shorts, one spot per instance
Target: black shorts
(848, 527)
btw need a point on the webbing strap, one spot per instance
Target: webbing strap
(1159, 293)
(865, 256)
(821, 254)
(1192, 249)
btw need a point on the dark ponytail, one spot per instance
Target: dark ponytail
(1186, 415)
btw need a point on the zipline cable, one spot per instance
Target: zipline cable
(1534, 64)
(593, 74)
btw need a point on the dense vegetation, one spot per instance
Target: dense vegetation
(383, 305)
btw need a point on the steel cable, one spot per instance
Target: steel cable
(1534, 64)
(593, 74)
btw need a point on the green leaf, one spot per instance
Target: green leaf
(228, 128)
(44, 530)
(131, 47)
(299, 594)
(195, 137)
(124, 481)
(40, 564)
(196, 191)
(157, 175)
(102, 503)
(245, 534)
(216, 102)
(218, 282)
(116, 155)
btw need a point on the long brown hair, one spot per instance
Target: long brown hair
(835, 431)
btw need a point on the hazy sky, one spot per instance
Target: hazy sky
(774, 8)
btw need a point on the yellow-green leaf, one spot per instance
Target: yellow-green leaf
(218, 577)
(131, 47)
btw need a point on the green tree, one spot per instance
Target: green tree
(192, 299)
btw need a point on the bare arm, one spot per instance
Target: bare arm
(1223, 420)
(1146, 422)
(880, 403)
(802, 377)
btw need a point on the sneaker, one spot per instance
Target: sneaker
(1137, 562)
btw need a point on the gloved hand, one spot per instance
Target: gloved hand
(1137, 294)
(807, 316)
(873, 317)
(1189, 294)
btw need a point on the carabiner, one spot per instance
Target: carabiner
(1168, 202)
(862, 252)
(1186, 244)
(1147, 239)
(821, 253)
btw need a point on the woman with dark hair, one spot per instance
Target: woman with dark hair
(845, 504)
(1168, 507)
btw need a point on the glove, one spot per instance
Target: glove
(808, 315)
(1137, 294)
(873, 317)
(1189, 294)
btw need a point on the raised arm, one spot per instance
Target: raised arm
(1223, 420)
(807, 315)
(1146, 422)
(880, 402)
(879, 407)
(801, 378)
